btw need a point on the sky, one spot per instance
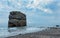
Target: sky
(38, 12)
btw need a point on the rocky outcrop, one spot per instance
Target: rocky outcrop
(16, 19)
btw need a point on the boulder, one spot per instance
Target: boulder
(16, 19)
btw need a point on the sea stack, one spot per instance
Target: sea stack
(16, 19)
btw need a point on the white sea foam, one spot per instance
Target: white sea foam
(16, 31)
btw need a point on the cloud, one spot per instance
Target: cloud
(40, 4)
(48, 11)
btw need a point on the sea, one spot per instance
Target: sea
(29, 28)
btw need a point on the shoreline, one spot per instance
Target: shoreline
(50, 33)
(21, 31)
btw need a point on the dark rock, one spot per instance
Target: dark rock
(17, 19)
(57, 25)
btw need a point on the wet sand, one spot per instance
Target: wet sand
(47, 33)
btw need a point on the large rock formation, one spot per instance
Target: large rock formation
(17, 19)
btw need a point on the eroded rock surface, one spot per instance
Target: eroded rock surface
(16, 19)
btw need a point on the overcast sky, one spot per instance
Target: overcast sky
(39, 12)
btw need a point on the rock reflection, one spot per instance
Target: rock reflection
(16, 29)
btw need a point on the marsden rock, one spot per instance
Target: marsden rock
(16, 19)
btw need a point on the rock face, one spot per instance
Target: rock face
(16, 19)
